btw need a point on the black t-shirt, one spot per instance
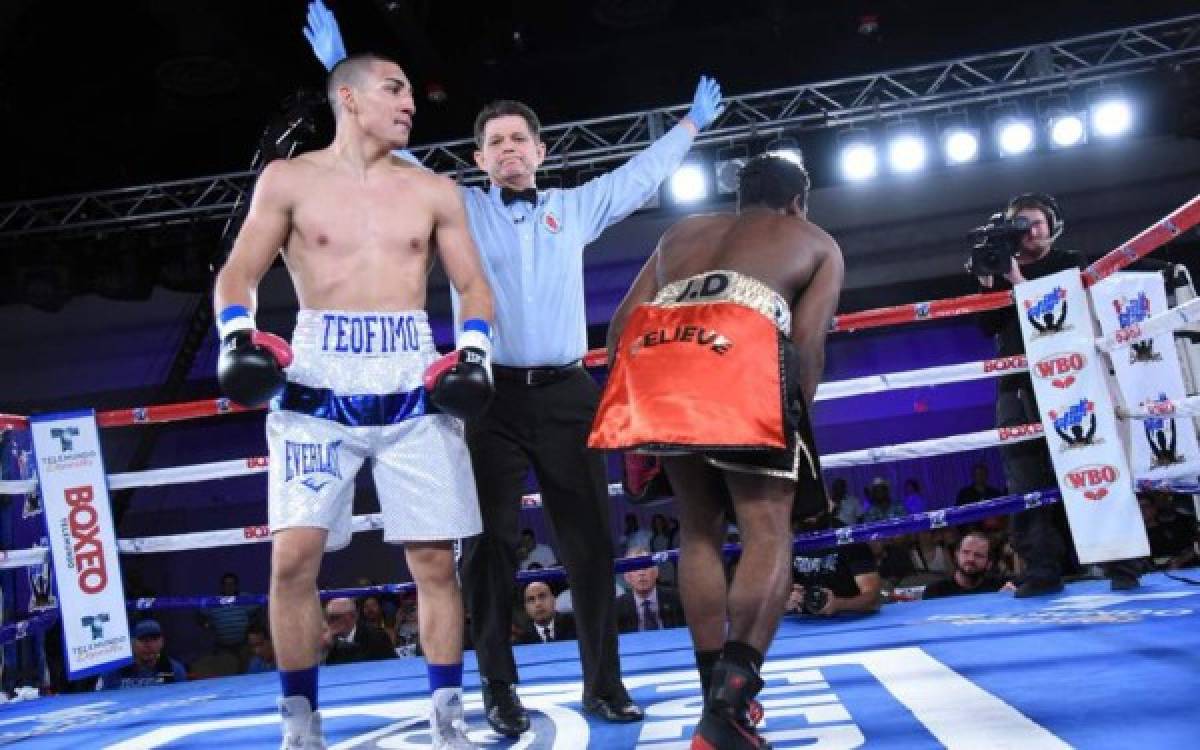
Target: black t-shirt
(1170, 538)
(971, 494)
(834, 568)
(1004, 325)
(949, 587)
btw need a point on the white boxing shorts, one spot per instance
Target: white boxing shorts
(355, 392)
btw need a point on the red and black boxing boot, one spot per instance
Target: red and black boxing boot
(730, 711)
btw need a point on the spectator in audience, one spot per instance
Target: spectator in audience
(151, 665)
(530, 551)
(647, 606)
(346, 640)
(893, 559)
(933, 552)
(977, 490)
(661, 540)
(845, 574)
(545, 624)
(661, 537)
(262, 651)
(848, 508)
(880, 504)
(914, 501)
(228, 623)
(973, 569)
(634, 535)
(1172, 534)
(370, 612)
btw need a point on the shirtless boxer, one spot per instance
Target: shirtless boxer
(366, 381)
(716, 355)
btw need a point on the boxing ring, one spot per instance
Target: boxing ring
(984, 671)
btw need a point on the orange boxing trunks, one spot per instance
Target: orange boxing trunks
(708, 368)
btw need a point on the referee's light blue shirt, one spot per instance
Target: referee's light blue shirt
(533, 255)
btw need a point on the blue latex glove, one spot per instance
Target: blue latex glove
(706, 106)
(323, 35)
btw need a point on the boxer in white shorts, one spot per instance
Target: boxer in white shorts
(355, 392)
(358, 229)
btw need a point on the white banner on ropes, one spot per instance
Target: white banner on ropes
(83, 546)
(1079, 419)
(1149, 376)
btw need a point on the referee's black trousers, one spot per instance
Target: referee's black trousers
(546, 427)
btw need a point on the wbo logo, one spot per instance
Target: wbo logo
(1093, 481)
(1060, 368)
(1076, 425)
(1048, 315)
(316, 464)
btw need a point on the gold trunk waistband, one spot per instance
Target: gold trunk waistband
(728, 286)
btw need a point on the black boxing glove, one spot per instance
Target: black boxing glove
(460, 383)
(250, 366)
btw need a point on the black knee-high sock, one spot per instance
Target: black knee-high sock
(743, 655)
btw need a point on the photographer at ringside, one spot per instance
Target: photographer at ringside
(1018, 245)
(842, 578)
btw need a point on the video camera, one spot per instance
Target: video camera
(814, 600)
(994, 244)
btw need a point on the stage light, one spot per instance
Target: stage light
(857, 154)
(730, 161)
(1066, 129)
(1014, 135)
(960, 145)
(906, 148)
(689, 184)
(1112, 116)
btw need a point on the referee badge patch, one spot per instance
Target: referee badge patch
(551, 223)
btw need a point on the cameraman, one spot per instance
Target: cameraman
(1038, 534)
(843, 578)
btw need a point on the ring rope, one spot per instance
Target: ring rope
(808, 542)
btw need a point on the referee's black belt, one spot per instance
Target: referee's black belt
(535, 376)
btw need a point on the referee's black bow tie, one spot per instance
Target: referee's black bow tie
(508, 195)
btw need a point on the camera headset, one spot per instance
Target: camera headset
(1043, 201)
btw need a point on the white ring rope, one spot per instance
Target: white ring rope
(1171, 320)
(1188, 407)
(261, 533)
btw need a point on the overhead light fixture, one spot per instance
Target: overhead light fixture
(730, 161)
(857, 154)
(1111, 112)
(906, 147)
(689, 184)
(1066, 129)
(1065, 125)
(959, 140)
(1014, 135)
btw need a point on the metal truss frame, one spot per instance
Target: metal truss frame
(587, 144)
